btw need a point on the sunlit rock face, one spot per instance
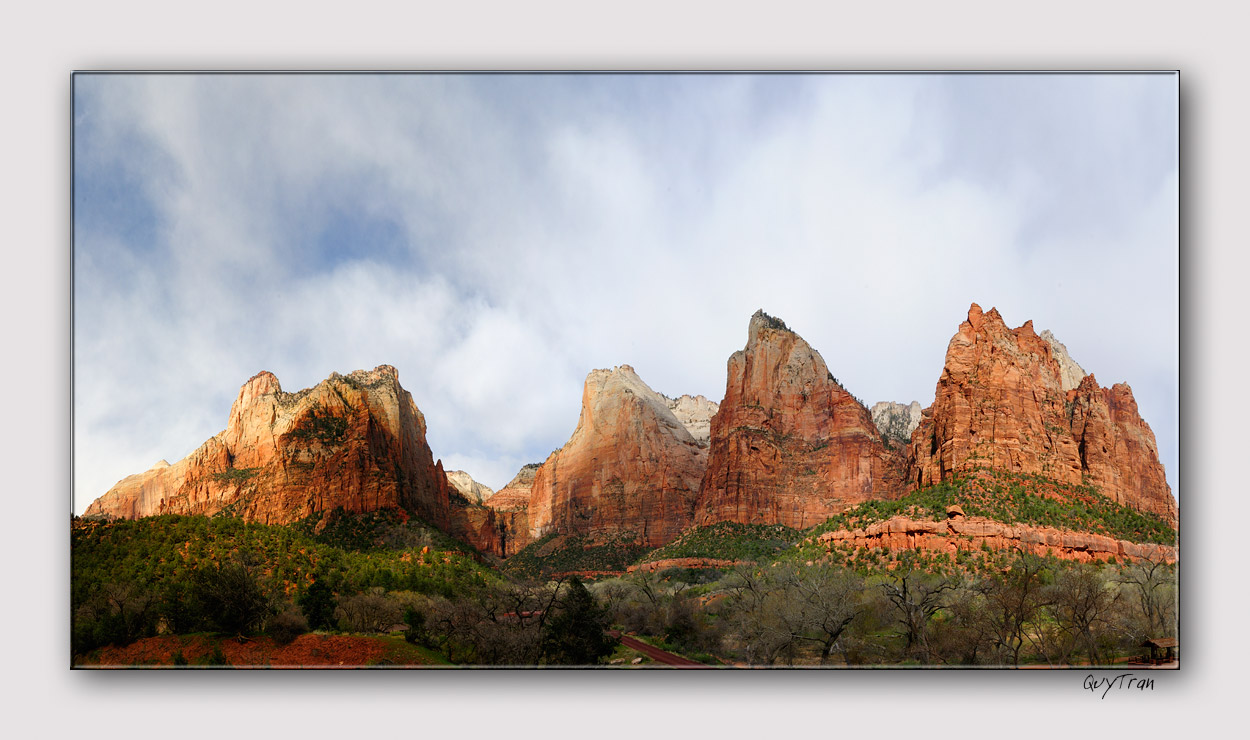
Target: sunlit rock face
(1004, 402)
(353, 442)
(631, 468)
(473, 491)
(789, 444)
(511, 506)
(695, 414)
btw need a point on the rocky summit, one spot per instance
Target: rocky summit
(896, 421)
(630, 469)
(1004, 401)
(355, 443)
(789, 444)
(695, 413)
(516, 495)
(464, 484)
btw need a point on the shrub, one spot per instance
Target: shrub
(415, 634)
(287, 626)
(230, 597)
(235, 475)
(217, 657)
(317, 604)
(322, 426)
(367, 612)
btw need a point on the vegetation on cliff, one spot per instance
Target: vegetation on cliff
(556, 554)
(728, 541)
(1014, 498)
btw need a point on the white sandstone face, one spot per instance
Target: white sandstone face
(695, 413)
(896, 421)
(469, 488)
(1070, 373)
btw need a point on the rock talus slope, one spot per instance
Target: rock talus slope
(1004, 402)
(631, 468)
(789, 445)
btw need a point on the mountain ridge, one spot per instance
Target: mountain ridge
(787, 445)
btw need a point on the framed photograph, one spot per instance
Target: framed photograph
(625, 371)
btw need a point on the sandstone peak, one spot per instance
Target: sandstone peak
(511, 507)
(284, 456)
(1011, 400)
(1070, 373)
(974, 314)
(760, 322)
(264, 379)
(630, 468)
(469, 488)
(516, 494)
(789, 445)
(695, 413)
(263, 383)
(896, 421)
(621, 375)
(977, 318)
(606, 390)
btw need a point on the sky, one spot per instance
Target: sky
(497, 237)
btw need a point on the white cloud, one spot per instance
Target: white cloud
(495, 238)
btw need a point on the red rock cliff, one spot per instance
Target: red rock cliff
(1117, 448)
(355, 442)
(789, 445)
(630, 469)
(511, 506)
(1001, 403)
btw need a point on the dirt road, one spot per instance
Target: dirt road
(659, 656)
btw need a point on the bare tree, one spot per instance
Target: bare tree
(966, 637)
(830, 600)
(1153, 582)
(1012, 601)
(916, 597)
(777, 611)
(757, 608)
(372, 611)
(1083, 607)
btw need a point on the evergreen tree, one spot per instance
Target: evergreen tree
(575, 634)
(230, 597)
(317, 603)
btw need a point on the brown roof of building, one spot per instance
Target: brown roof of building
(1161, 642)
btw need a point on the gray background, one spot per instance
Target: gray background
(41, 46)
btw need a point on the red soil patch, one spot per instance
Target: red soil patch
(589, 574)
(307, 651)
